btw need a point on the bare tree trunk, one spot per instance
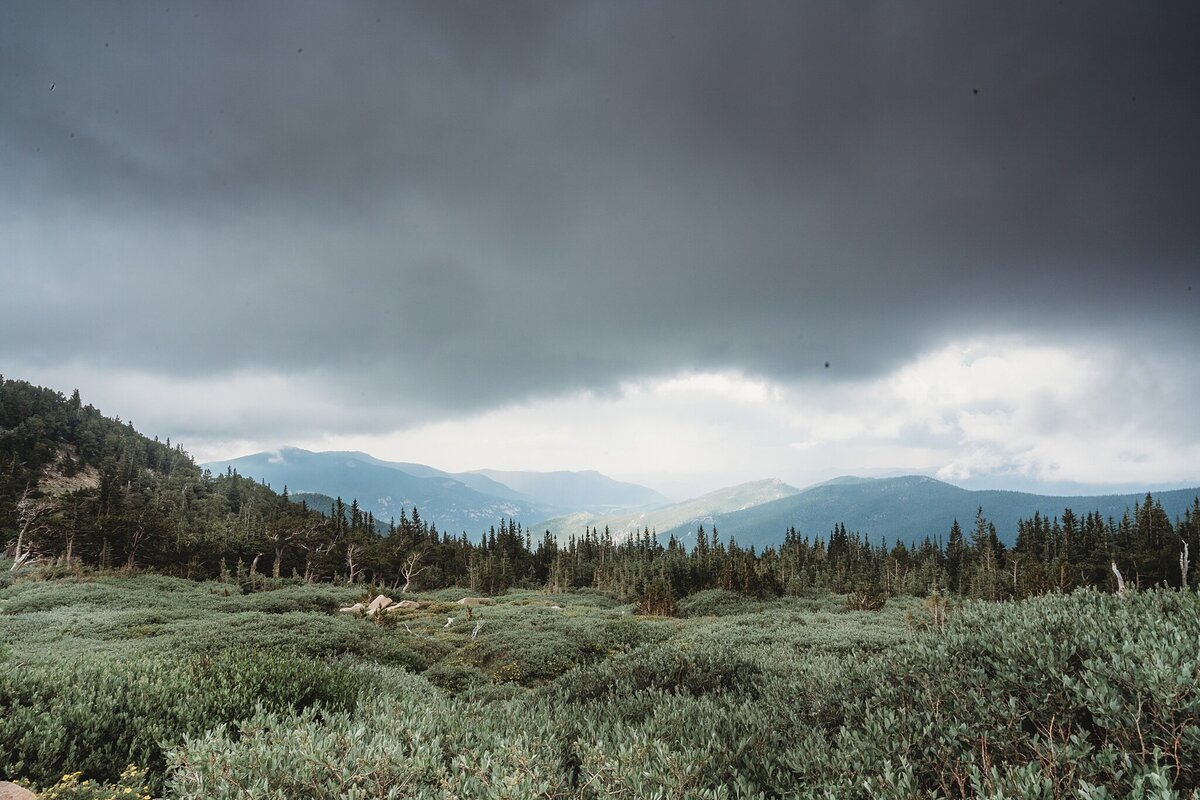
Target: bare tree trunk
(352, 553)
(1120, 579)
(30, 513)
(411, 570)
(1183, 565)
(131, 561)
(278, 562)
(27, 520)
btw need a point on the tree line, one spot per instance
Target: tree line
(79, 488)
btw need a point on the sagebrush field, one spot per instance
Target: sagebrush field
(274, 694)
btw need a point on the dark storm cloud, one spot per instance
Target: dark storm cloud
(457, 204)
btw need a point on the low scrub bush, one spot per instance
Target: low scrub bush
(1087, 695)
(306, 634)
(1043, 698)
(95, 714)
(667, 667)
(531, 644)
(415, 742)
(290, 597)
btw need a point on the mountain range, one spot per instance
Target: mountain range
(908, 508)
(758, 513)
(687, 514)
(456, 502)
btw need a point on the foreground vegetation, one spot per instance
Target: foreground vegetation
(217, 693)
(148, 649)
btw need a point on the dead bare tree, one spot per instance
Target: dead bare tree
(32, 514)
(412, 568)
(1015, 560)
(312, 544)
(283, 533)
(1183, 565)
(1120, 579)
(354, 551)
(137, 536)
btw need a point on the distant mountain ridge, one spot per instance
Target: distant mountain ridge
(456, 502)
(695, 511)
(381, 489)
(587, 490)
(758, 513)
(909, 508)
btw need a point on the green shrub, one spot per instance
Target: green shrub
(412, 742)
(286, 598)
(93, 715)
(456, 678)
(866, 598)
(1085, 690)
(716, 603)
(1087, 695)
(664, 666)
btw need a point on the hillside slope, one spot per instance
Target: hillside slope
(585, 490)
(384, 489)
(910, 508)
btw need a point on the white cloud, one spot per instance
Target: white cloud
(998, 410)
(973, 410)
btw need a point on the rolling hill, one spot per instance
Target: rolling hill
(906, 508)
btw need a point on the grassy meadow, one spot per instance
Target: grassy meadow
(123, 685)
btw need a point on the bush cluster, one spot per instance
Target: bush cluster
(95, 714)
(1084, 695)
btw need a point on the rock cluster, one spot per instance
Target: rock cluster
(380, 605)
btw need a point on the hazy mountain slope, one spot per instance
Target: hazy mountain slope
(566, 491)
(688, 513)
(383, 490)
(587, 490)
(479, 482)
(909, 508)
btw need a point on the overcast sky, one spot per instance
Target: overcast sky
(681, 242)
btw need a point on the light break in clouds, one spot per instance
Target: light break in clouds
(978, 413)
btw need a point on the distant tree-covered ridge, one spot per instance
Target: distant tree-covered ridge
(77, 487)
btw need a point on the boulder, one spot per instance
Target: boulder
(378, 604)
(475, 601)
(10, 791)
(354, 609)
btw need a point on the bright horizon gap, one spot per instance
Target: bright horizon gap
(979, 413)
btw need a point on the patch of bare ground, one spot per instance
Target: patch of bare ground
(56, 480)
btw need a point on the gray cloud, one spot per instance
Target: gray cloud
(454, 205)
